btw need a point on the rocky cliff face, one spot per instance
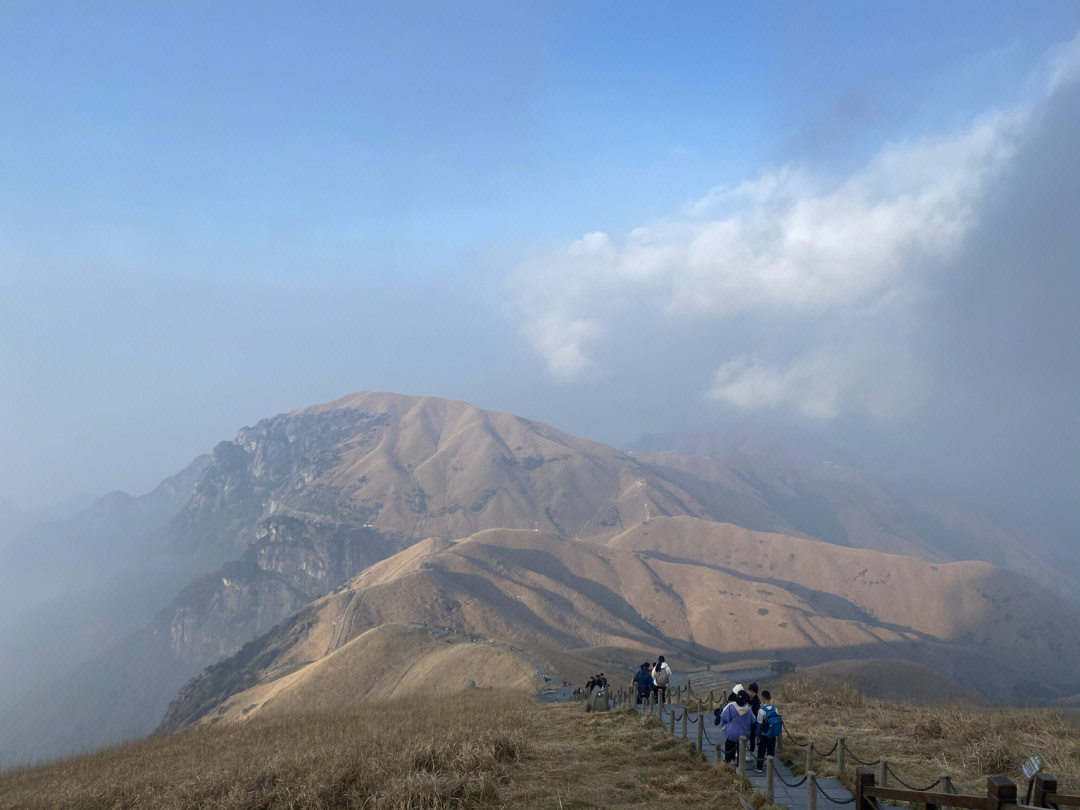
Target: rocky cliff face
(270, 468)
(289, 563)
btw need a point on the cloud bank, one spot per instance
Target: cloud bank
(855, 260)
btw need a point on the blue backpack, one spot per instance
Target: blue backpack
(773, 724)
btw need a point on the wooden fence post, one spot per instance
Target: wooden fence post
(770, 775)
(1000, 791)
(946, 784)
(740, 766)
(840, 759)
(719, 751)
(864, 778)
(1044, 783)
(809, 756)
(700, 734)
(671, 721)
(811, 791)
(883, 774)
(684, 723)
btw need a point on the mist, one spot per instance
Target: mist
(844, 241)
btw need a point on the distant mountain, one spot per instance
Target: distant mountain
(289, 510)
(70, 587)
(312, 527)
(759, 481)
(746, 437)
(15, 519)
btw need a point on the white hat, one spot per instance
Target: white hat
(738, 688)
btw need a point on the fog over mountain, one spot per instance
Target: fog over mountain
(723, 328)
(313, 527)
(939, 345)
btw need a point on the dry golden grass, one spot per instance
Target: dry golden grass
(921, 743)
(486, 750)
(618, 759)
(407, 754)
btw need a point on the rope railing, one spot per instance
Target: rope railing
(829, 753)
(833, 754)
(828, 798)
(868, 764)
(912, 787)
(784, 781)
(790, 737)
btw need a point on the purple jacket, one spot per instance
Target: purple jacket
(736, 725)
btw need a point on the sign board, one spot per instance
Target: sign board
(1032, 766)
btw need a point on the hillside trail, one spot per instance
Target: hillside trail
(788, 790)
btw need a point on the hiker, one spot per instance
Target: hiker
(661, 676)
(735, 721)
(598, 697)
(643, 682)
(755, 706)
(770, 726)
(603, 680)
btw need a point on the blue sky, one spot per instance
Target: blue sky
(211, 213)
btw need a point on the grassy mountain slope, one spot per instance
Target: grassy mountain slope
(388, 662)
(697, 589)
(486, 749)
(808, 497)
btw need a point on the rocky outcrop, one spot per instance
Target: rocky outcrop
(289, 563)
(241, 671)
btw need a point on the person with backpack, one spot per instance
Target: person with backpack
(770, 727)
(643, 683)
(661, 676)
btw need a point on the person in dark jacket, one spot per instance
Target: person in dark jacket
(755, 705)
(643, 682)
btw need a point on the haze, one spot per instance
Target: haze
(857, 221)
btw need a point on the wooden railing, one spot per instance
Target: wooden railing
(870, 787)
(1001, 794)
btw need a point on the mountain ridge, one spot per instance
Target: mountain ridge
(302, 504)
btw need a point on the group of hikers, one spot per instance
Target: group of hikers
(756, 718)
(596, 682)
(651, 681)
(745, 714)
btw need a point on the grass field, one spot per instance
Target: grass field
(921, 743)
(485, 750)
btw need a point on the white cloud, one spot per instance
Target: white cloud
(1065, 65)
(787, 243)
(881, 380)
(562, 342)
